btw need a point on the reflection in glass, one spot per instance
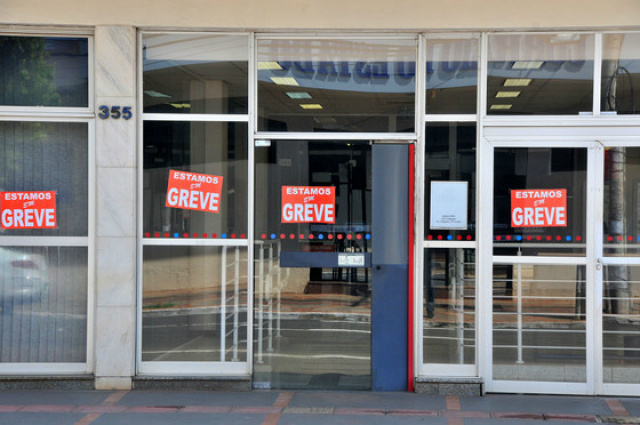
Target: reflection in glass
(620, 74)
(620, 286)
(48, 156)
(552, 169)
(452, 76)
(195, 74)
(313, 314)
(336, 85)
(194, 304)
(621, 325)
(451, 156)
(540, 74)
(621, 201)
(43, 297)
(343, 166)
(449, 306)
(44, 71)
(212, 148)
(313, 325)
(539, 323)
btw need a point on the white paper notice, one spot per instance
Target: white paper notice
(449, 205)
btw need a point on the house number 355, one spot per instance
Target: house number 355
(115, 112)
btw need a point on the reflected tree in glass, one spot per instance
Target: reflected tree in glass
(26, 76)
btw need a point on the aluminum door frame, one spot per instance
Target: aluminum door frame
(486, 261)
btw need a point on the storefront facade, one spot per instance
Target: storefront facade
(338, 207)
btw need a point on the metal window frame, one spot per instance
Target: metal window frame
(270, 135)
(426, 369)
(63, 115)
(62, 112)
(530, 131)
(185, 368)
(588, 387)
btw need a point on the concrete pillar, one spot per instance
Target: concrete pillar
(115, 143)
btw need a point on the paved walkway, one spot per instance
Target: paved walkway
(306, 408)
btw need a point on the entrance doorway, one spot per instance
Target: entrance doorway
(564, 279)
(330, 305)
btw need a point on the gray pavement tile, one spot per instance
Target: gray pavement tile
(357, 420)
(39, 418)
(632, 405)
(53, 397)
(198, 398)
(177, 418)
(365, 399)
(537, 404)
(519, 422)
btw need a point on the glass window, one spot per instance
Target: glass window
(622, 201)
(197, 151)
(450, 157)
(620, 323)
(620, 74)
(539, 325)
(540, 199)
(313, 310)
(195, 74)
(43, 157)
(44, 304)
(44, 71)
(341, 169)
(336, 85)
(452, 76)
(449, 306)
(540, 74)
(44, 202)
(194, 304)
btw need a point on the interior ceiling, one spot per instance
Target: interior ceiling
(554, 91)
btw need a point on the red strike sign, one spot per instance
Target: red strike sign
(193, 191)
(28, 210)
(539, 208)
(308, 204)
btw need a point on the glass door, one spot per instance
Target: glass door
(539, 287)
(620, 270)
(332, 264)
(564, 281)
(313, 278)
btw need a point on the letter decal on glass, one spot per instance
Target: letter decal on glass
(539, 208)
(28, 210)
(193, 191)
(308, 204)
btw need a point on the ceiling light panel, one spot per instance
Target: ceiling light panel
(285, 81)
(517, 82)
(527, 65)
(269, 66)
(508, 94)
(501, 107)
(298, 95)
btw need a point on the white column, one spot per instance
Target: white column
(115, 304)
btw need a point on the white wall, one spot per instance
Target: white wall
(329, 14)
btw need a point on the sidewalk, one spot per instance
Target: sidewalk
(306, 408)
